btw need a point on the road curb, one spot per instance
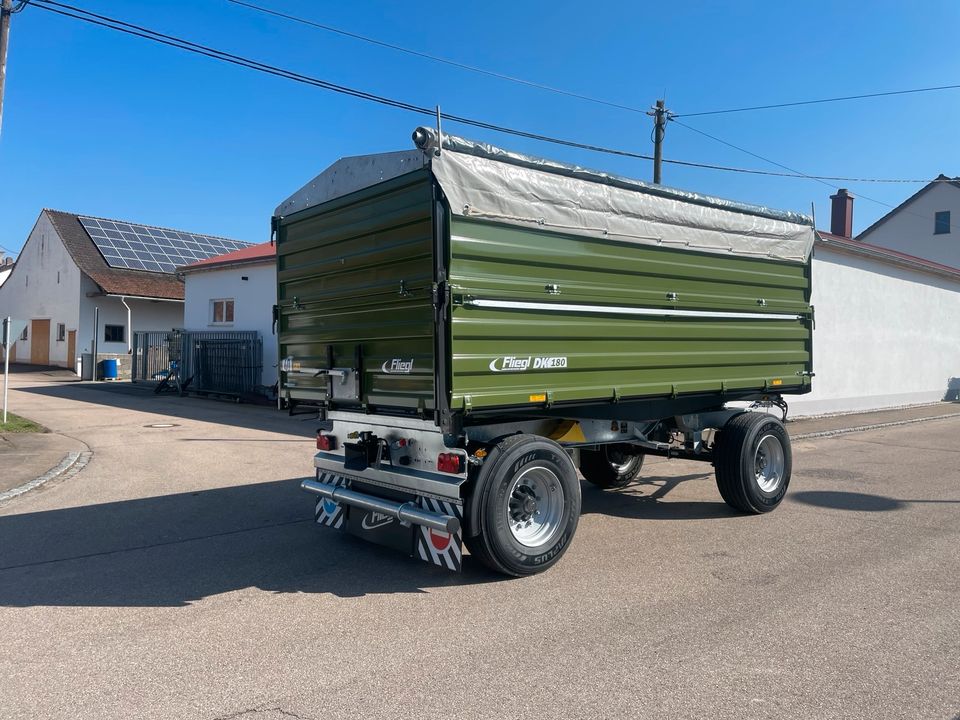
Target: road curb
(72, 463)
(874, 426)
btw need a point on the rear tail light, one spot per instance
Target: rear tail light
(449, 463)
(326, 442)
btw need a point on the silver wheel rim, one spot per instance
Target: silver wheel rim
(622, 463)
(769, 463)
(535, 507)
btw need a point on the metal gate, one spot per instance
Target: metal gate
(229, 362)
(227, 365)
(151, 355)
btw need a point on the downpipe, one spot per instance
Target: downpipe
(123, 300)
(406, 512)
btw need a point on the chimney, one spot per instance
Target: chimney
(841, 214)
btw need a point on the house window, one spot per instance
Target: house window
(221, 312)
(61, 332)
(23, 335)
(113, 333)
(941, 223)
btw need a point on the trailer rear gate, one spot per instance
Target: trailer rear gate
(355, 279)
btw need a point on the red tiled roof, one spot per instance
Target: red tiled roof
(112, 281)
(882, 253)
(248, 255)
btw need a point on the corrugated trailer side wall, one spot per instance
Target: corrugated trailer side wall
(617, 355)
(355, 275)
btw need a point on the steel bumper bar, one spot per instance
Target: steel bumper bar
(406, 512)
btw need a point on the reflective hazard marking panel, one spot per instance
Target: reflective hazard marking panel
(436, 547)
(328, 512)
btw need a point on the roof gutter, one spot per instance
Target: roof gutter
(187, 269)
(134, 297)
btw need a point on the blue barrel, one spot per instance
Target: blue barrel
(109, 369)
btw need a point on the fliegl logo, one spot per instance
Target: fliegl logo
(510, 363)
(398, 366)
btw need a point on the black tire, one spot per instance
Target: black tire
(611, 466)
(161, 386)
(751, 478)
(517, 468)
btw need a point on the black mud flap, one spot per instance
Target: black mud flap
(432, 546)
(441, 548)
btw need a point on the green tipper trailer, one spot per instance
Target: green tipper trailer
(471, 324)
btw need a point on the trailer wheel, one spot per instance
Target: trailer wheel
(753, 462)
(528, 497)
(611, 466)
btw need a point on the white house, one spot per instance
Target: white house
(73, 265)
(887, 331)
(235, 291)
(6, 267)
(925, 225)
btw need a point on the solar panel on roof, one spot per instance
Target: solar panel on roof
(158, 250)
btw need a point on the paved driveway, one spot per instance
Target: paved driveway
(179, 575)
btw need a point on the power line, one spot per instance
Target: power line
(780, 165)
(818, 179)
(204, 50)
(819, 101)
(434, 58)
(797, 173)
(181, 44)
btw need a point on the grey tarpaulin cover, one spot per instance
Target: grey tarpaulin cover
(485, 182)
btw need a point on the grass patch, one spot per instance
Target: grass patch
(17, 424)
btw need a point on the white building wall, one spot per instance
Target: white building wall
(145, 315)
(885, 336)
(253, 298)
(910, 230)
(45, 284)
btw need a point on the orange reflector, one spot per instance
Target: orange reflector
(540, 397)
(776, 381)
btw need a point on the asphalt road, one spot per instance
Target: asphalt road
(180, 576)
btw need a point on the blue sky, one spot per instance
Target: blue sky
(105, 124)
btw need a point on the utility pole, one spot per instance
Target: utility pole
(6, 12)
(659, 114)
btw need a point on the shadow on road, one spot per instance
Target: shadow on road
(643, 500)
(139, 397)
(840, 500)
(171, 550)
(46, 373)
(860, 502)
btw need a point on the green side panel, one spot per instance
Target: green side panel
(618, 356)
(355, 281)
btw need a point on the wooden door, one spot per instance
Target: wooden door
(39, 342)
(72, 349)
